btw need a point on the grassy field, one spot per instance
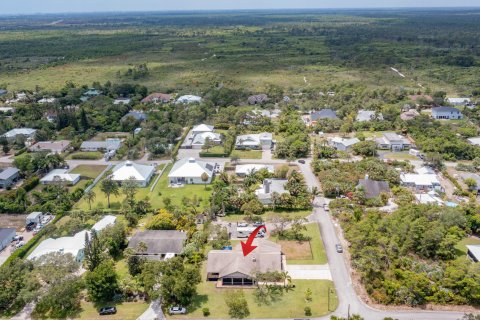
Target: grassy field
(269, 215)
(317, 251)
(160, 192)
(88, 171)
(247, 154)
(399, 156)
(125, 310)
(290, 305)
(461, 248)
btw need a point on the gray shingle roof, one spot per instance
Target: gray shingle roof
(323, 114)
(8, 172)
(160, 241)
(373, 188)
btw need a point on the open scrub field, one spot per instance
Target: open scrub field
(293, 50)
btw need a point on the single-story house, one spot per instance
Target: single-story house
(409, 115)
(322, 114)
(124, 101)
(6, 237)
(196, 137)
(106, 221)
(275, 113)
(92, 92)
(343, 144)
(471, 175)
(190, 171)
(60, 176)
(7, 109)
(35, 217)
(459, 101)
(260, 141)
(231, 268)
(474, 141)
(187, 99)
(243, 170)
(258, 99)
(393, 141)
(268, 188)
(22, 96)
(8, 176)
(50, 146)
(127, 170)
(157, 97)
(102, 146)
(25, 132)
(161, 244)
(448, 113)
(428, 198)
(420, 181)
(46, 100)
(137, 115)
(200, 138)
(201, 128)
(368, 115)
(473, 252)
(66, 245)
(373, 188)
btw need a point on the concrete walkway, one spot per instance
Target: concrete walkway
(154, 312)
(309, 272)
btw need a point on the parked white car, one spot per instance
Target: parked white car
(177, 310)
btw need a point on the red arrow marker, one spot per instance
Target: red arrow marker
(247, 247)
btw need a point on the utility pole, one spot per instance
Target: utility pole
(348, 314)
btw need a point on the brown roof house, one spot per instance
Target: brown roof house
(231, 268)
(373, 188)
(157, 98)
(161, 244)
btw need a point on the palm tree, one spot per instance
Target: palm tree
(90, 197)
(109, 187)
(314, 193)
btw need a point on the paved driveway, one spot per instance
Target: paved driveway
(309, 272)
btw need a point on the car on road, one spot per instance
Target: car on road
(30, 226)
(242, 224)
(18, 237)
(339, 248)
(325, 207)
(107, 310)
(301, 161)
(258, 224)
(177, 310)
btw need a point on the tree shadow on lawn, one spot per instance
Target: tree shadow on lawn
(198, 302)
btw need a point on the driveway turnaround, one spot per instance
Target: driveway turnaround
(309, 272)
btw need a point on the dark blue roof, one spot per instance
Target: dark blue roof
(323, 114)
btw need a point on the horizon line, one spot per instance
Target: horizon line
(235, 10)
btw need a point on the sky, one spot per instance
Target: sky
(60, 6)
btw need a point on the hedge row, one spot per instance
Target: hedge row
(177, 146)
(213, 155)
(85, 156)
(31, 183)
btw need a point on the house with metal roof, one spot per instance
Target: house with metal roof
(258, 141)
(448, 113)
(161, 244)
(187, 99)
(232, 268)
(102, 146)
(6, 237)
(343, 144)
(105, 222)
(60, 176)
(74, 245)
(197, 136)
(8, 176)
(473, 252)
(323, 114)
(123, 101)
(55, 147)
(270, 187)
(129, 170)
(393, 141)
(462, 101)
(190, 171)
(368, 115)
(24, 132)
(421, 181)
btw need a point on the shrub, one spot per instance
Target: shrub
(206, 312)
(31, 183)
(308, 311)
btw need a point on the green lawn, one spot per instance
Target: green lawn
(93, 155)
(290, 305)
(89, 171)
(269, 215)
(316, 247)
(156, 196)
(125, 310)
(372, 134)
(399, 156)
(461, 248)
(247, 154)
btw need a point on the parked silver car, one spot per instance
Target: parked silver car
(177, 310)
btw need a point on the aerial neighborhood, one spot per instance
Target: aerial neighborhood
(224, 166)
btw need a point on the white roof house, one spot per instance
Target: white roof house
(246, 169)
(199, 139)
(202, 128)
(343, 144)
(269, 186)
(27, 132)
(475, 141)
(368, 115)
(254, 141)
(122, 101)
(428, 198)
(104, 222)
(74, 245)
(473, 252)
(189, 171)
(459, 101)
(127, 170)
(46, 100)
(61, 176)
(420, 181)
(189, 99)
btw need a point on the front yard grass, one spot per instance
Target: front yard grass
(125, 310)
(88, 155)
(247, 154)
(160, 192)
(290, 305)
(399, 156)
(88, 171)
(461, 249)
(269, 215)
